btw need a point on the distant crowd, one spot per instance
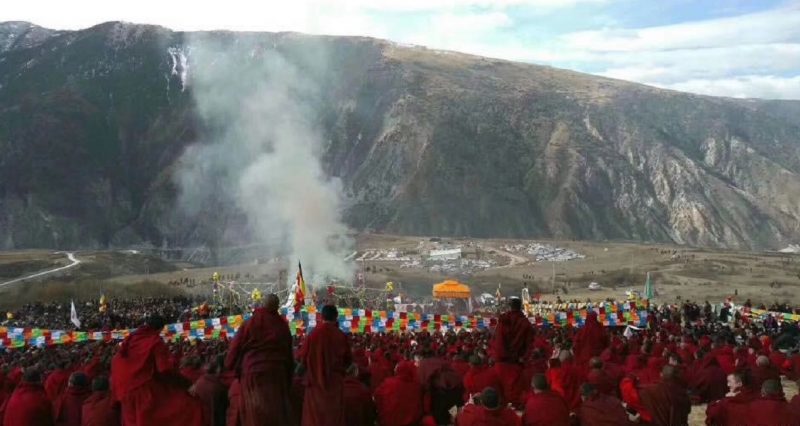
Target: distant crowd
(514, 374)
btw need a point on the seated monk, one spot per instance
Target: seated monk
(543, 406)
(143, 380)
(730, 410)
(763, 371)
(708, 381)
(601, 410)
(99, 409)
(442, 387)
(509, 348)
(261, 354)
(399, 398)
(667, 401)
(479, 377)
(600, 379)
(56, 382)
(487, 412)
(28, 405)
(359, 409)
(590, 340)
(68, 409)
(771, 408)
(326, 356)
(565, 378)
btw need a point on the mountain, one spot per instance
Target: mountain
(426, 142)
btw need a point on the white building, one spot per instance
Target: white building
(449, 254)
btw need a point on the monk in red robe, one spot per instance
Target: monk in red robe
(544, 407)
(99, 409)
(600, 379)
(326, 356)
(730, 410)
(771, 408)
(379, 369)
(28, 405)
(601, 410)
(442, 387)
(212, 393)
(590, 340)
(234, 404)
(150, 391)
(68, 409)
(399, 398)
(359, 407)
(565, 378)
(512, 338)
(708, 382)
(479, 377)
(261, 354)
(56, 381)
(668, 401)
(488, 413)
(763, 371)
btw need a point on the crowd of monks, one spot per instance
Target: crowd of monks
(515, 374)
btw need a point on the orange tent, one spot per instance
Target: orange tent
(451, 289)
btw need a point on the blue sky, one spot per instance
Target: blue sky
(740, 48)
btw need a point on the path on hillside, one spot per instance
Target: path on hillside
(70, 256)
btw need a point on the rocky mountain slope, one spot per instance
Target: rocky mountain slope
(425, 142)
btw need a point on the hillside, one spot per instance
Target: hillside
(92, 123)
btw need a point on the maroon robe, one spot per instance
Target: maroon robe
(512, 339)
(399, 398)
(359, 407)
(149, 391)
(68, 409)
(261, 353)
(545, 409)
(602, 381)
(590, 340)
(566, 380)
(99, 410)
(602, 410)
(214, 396)
(667, 402)
(476, 415)
(234, 416)
(730, 410)
(709, 382)
(478, 378)
(55, 384)
(771, 411)
(326, 356)
(28, 406)
(759, 375)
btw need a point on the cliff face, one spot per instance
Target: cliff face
(92, 123)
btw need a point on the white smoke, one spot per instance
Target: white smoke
(263, 154)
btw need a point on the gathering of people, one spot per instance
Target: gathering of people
(512, 374)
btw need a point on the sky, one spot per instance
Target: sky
(738, 48)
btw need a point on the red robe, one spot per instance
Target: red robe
(99, 410)
(629, 391)
(730, 410)
(708, 382)
(326, 356)
(590, 340)
(214, 397)
(68, 409)
(602, 381)
(476, 415)
(667, 402)
(148, 389)
(55, 384)
(28, 406)
(566, 380)
(379, 370)
(261, 353)
(759, 375)
(512, 339)
(399, 398)
(479, 378)
(602, 410)
(545, 409)
(359, 407)
(771, 411)
(234, 404)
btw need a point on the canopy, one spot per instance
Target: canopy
(451, 290)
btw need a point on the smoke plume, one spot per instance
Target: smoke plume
(262, 151)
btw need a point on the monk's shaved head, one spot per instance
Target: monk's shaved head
(539, 382)
(669, 372)
(596, 362)
(564, 355)
(515, 304)
(330, 313)
(762, 361)
(771, 388)
(273, 303)
(352, 370)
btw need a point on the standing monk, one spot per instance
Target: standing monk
(143, 380)
(512, 338)
(326, 356)
(261, 354)
(590, 340)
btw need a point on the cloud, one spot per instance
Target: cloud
(755, 86)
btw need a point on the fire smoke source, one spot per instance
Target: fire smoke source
(263, 153)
